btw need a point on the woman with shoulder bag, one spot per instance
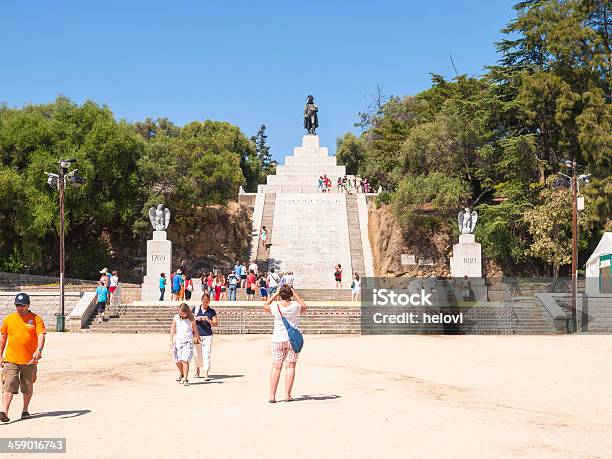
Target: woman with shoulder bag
(286, 313)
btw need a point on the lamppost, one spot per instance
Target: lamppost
(571, 321)
(59, 181)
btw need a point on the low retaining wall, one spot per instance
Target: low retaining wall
(12, 280)
(593, 312)
(45, 304)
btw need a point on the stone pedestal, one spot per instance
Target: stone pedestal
(159, 260)
(467, 261)
(467, 257)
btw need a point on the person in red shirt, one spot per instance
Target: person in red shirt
(25, 332)
(251, 285)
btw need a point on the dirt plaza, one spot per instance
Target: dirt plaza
(372, 396)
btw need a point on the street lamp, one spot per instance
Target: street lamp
(59, 181)
(571, 321)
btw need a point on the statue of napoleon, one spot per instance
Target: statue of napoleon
(160, 217)
(311, 119)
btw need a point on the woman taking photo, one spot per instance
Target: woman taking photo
(182, 335)
(338, 276)
(284, 303)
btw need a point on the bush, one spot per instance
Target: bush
(383, 198)
(436, 194)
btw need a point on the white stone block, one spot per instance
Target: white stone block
(467, 257)
(159, 260)
(310, 141)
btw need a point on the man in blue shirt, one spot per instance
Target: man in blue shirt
(177, 283)
(162, 286)
(102, 298)
(238, 269)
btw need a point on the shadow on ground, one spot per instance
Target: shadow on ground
(61, 414)
(303, 398)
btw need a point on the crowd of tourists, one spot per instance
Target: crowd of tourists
(346, 184)
(225, 286)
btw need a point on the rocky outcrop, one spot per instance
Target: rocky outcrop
(220, 236)
(389, 242)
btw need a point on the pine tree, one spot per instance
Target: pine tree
(263, 151)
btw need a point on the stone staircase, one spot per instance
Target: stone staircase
(354, 232)
(267, 220)
(311, 236)
(240, 319)
(529, 317)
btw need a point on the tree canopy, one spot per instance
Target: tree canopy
(493, 141)
(128, 168)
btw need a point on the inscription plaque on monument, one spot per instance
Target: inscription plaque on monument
(312, 232)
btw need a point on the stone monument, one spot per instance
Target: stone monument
(159, 255)
(467, 256)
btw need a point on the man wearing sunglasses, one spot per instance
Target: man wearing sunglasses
(26, 338)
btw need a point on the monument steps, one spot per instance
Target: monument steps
(158, 319)
(354, 229)
(522, 316)
(267, 220)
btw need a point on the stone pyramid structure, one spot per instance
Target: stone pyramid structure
(310, 232)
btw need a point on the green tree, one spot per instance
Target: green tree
(350, 152)
(262, 150)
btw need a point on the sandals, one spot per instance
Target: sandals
(185, 382)
(25, 415)
(271, 401)
(289, 398)
(179, 379)
(4, 417)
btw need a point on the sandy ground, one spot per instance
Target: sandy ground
(376, 396)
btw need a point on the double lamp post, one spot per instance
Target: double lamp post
(59, 181)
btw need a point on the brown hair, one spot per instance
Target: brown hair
(285, 292)
(206, 295)
(184, 307)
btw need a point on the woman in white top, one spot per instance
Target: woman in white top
(290, 307)
(356, 287)
(182, 335)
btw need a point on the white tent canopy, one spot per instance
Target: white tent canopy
(592, 273)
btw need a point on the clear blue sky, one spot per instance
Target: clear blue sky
(247, 62)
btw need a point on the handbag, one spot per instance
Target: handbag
(295, 336)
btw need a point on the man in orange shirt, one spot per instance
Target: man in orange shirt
(26, 338)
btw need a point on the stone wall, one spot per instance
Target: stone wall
(11, 281)
(45, 304)
(593, 312)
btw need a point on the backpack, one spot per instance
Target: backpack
(295, 336)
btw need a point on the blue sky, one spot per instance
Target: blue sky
(243, 62)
